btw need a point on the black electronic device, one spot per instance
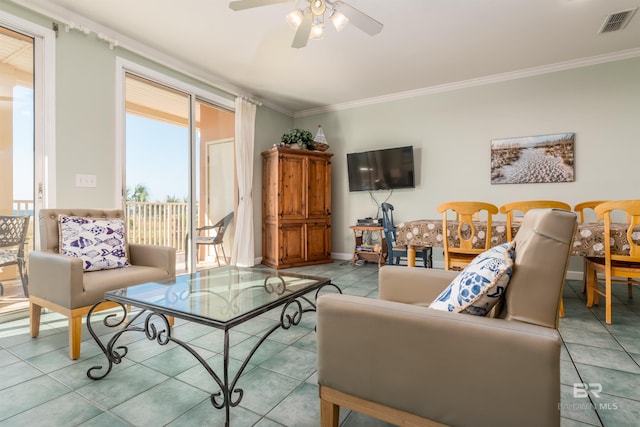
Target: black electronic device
(377, 222)
(385, 169)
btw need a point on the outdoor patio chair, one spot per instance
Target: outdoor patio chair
(13, 236)
(211, 235)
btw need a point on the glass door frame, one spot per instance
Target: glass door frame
(44, 131)
(195, 93)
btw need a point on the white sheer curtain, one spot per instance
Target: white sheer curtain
(243, 254)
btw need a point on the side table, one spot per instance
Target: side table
(380, 255)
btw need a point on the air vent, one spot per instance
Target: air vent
(617, 21)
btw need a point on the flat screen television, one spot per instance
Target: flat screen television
(386, 169)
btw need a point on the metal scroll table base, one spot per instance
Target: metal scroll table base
(156, 327)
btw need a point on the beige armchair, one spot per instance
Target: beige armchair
(59, 283)
(398, 360)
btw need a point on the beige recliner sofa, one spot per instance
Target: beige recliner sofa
(398, 360)
(58, 282)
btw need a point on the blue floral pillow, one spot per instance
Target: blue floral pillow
(99, 242)
(479, 287)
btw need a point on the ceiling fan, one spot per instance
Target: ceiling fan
(309, 21)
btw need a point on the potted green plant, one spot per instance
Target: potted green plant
(301, 137)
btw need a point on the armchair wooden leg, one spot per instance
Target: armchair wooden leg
(329, 414)
(34, 319)
(561, 307)
(75, 336)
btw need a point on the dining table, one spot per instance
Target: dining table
(588, 241)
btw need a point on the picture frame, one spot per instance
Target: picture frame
(533, 159)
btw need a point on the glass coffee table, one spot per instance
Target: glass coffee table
(221, 298)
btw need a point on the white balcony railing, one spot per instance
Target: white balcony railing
(153, 223)
(23, 207)
(157, 223)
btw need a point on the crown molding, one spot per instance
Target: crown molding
(497, 78)
(66, 16)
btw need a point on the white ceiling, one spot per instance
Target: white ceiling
(424, 43)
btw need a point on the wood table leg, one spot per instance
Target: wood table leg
(411, 256)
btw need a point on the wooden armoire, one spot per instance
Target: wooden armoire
(296, 207)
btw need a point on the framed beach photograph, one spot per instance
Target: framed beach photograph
(533, 159)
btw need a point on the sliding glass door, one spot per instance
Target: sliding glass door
(179, 172)
(16, 148)
(216, 189)
(157, 163)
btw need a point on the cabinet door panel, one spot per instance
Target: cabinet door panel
(319, 182)
(292, 243)
(318, 241)
(292, 188)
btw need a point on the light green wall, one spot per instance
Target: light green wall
(85, 119)
(451, 134)
(270, 125)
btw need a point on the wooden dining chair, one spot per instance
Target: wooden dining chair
(457, 256)
(580, 209)
(509, 210)
(613, 266)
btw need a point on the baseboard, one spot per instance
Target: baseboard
(339, 256)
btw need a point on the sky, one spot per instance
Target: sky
(531, 141)
(157, 156)
(22, 143)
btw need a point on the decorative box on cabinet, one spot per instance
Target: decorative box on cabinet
(296, 207)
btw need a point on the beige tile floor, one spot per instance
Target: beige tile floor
(164, 385)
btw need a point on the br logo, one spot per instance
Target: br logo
(582, 390)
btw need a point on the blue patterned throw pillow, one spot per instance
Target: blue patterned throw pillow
(99, 242)
(479, 287)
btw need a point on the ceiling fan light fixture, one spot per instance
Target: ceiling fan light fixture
(318, 7)
(294, 18)
(338, 20)
(317, 32)
(308, 17)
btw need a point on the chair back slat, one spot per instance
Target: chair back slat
(632, 210)
(580, 208)
(467, 231)
(525, 206)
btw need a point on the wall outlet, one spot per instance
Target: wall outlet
(85, 180)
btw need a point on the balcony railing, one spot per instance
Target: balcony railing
(23, 207)
(153, 223)
(157, 223)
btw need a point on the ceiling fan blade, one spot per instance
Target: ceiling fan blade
(304, 30)
(248, 4)
(359, 18)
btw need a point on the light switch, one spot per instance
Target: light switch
(85, 180)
